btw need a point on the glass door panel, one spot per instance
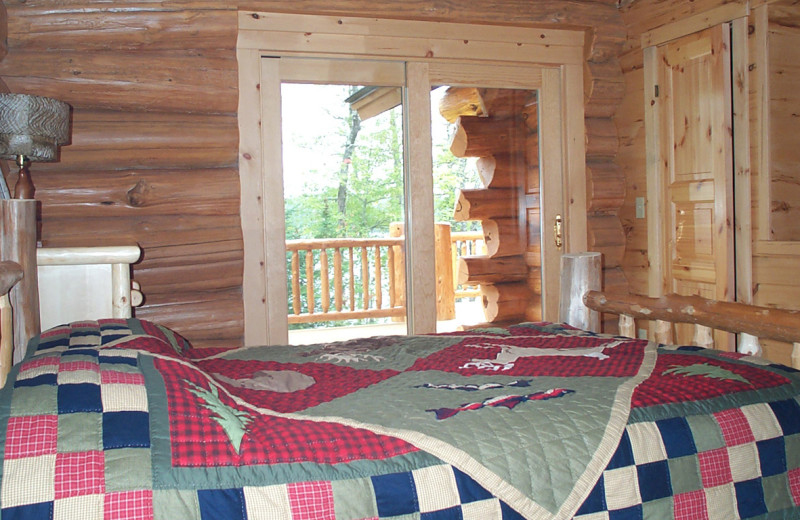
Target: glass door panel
(343, 178)
(485, 149)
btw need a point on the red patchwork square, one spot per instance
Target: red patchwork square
(128, 505)
(55, 331)
(735, 428)
(81, 473)
(794, 485)
(715, 467)
(108, 377)
(31, 436)
(691, 506)
(73, 366)
(39, 362)
(311, 500)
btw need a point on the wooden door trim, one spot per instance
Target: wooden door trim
(658, 143)
(281, 35)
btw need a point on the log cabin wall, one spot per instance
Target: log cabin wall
(153, 158)
(773, 258)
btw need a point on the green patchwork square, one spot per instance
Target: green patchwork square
(171, 504)
(80, 432)
(684, 473)
(792, 451)
(776, 492)
(658, 509)
(35, 400)
(354, 499)
(706, 432)
(119, 367)
(128, 469)
(79, 358)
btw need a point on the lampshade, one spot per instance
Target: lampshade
(32, 126)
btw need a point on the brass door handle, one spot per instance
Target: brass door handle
(558, 230)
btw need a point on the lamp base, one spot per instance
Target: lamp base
(24, 188)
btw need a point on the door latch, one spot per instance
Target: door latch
(558, 230)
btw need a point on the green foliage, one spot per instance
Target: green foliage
(233, 422)
(706, 370)
(353, 175)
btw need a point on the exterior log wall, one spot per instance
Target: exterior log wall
(153, 158)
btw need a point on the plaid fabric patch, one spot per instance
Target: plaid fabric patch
(75, 446)
(532, 355)
(337, 381)
(198, 440)
(673, 381)
(57, 465)
(715, 467)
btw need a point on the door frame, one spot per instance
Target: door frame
(739, 176)
(434, 53)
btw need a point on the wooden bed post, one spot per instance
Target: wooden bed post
(18, 234)
(580, 273)
(10, 274)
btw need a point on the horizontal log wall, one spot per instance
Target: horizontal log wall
(153, 158)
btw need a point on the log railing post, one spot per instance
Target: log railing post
(445, 288)
(396, 230)
(580, 273)
(627, 326)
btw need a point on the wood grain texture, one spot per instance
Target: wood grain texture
(154, 153)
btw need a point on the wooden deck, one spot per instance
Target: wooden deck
(467, 313)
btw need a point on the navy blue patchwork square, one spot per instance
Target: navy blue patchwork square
(395, 494)
(469, 490)
(112, 332)
(508, 513)
(126, 430)
(451, 513)
(43, 379)
(53, 342)
(772, 456)
(750, 498)
(677, 437)
(596, 501)
(40, 510)
(654, 482)
(221, 503)
(79, 397)
(118, 360)
(629, 513)
(788, 414)
(623, 457)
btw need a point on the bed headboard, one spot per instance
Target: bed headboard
(59, 285)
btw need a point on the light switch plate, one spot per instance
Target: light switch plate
(639, 207)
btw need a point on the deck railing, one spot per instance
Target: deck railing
(357, 278)
(466, 243)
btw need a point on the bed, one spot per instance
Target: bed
(123, 418)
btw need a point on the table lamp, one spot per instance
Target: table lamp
(31, 129)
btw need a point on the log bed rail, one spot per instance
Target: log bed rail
(580, 281)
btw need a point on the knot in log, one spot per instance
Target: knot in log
(688, 310)
(137, 196)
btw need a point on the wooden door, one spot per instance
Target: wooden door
(695, 180)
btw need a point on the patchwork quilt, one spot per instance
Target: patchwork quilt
(119, 419)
